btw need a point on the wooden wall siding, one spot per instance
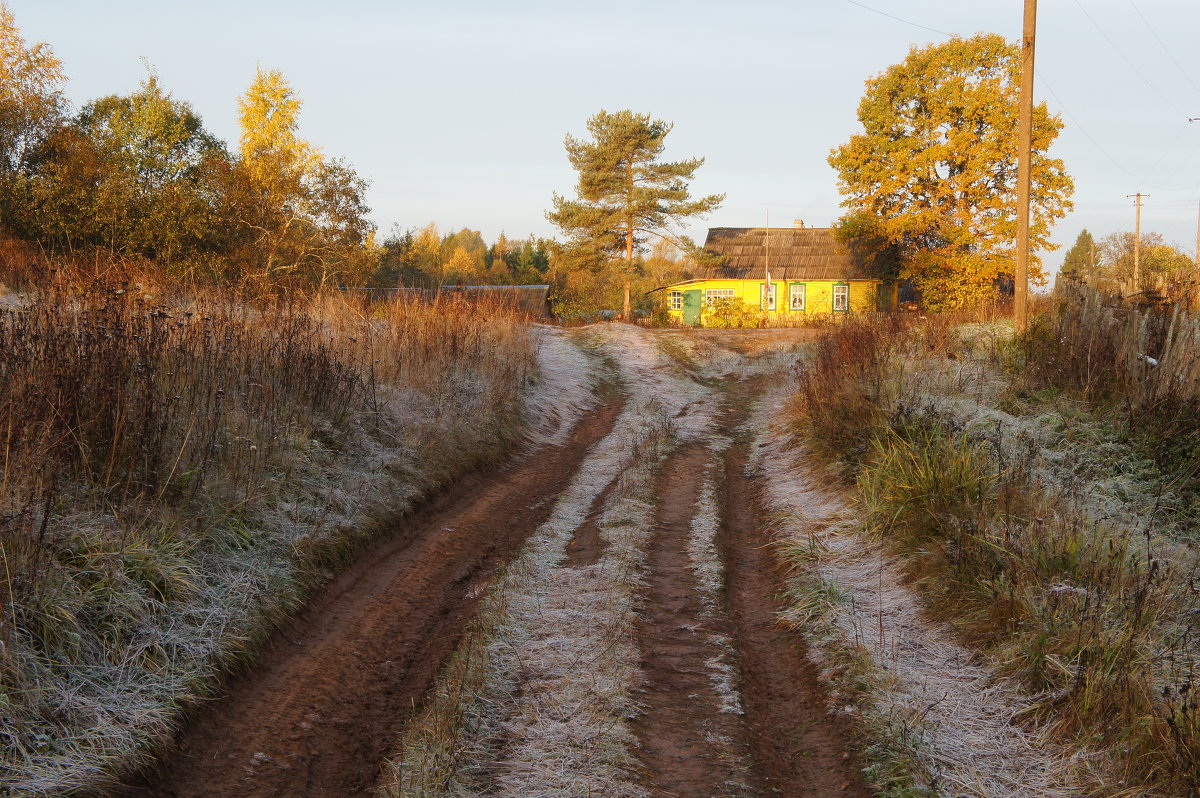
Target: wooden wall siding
(818, 296)
(810, 253)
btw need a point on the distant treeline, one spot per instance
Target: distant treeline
(137, 180)
(426, 258)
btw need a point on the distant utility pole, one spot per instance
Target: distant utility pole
(1137, 240)
(1024, 162)
(1197, 119)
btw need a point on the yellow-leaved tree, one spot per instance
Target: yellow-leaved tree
(277, 161)
(31, 108)
(933, 173)
(308, 213)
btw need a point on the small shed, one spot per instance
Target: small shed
(530, 300)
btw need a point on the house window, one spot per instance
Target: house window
(841, 297)
(711, 295)
(676, 300)
(766, 299)
(797, 296)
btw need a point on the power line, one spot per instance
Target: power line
(1142, 179)
(1075, 120)
(1084, 131)
(1132, 66)
(1162, 157)
(898, 19)
(1163, 45)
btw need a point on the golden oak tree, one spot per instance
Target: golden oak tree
(934, 168)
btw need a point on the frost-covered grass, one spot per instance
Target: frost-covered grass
(180, 471)
(1030, 528)
(931, 719)
(537, 701)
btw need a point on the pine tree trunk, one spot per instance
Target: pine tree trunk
(625, 310)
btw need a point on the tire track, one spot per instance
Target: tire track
(684, 735)
(329, 692)
(797, 747)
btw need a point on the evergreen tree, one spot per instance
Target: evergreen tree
(625, 193)
(1078, 263)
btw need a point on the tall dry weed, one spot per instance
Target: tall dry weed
(1092, 615)
(178, 468)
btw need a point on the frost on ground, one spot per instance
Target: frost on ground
(544, 709)
(559, 399)
(227, 580)
(959, 718)
(1064, 445)
(709, 569)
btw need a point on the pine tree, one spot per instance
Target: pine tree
(1078, 263)
(625, 193)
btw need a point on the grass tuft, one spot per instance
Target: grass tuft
(179, 469)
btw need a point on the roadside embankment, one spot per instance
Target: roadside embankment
(180, 472)
(1046, 547)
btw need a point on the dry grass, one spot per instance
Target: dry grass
(930, 720)
(180, 469)
(1089, 610)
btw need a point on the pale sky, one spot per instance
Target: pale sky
(456, 111)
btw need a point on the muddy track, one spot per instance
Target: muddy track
(796, 747)
(682, 711)
(324, 703)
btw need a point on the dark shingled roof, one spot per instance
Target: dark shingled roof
(797, 253)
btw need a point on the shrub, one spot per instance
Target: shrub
(838, 403)
(1095, 618)
(732, 314)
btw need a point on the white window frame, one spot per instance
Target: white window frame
(797, 291)
(841, 292)
(711, 294)
(766, 295)
(676, 300)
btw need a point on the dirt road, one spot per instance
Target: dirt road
(726, 702)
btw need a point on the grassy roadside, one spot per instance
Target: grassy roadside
(178, 472)
(1015, 522)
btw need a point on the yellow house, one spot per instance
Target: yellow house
(811, 273)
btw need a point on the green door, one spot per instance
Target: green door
(691, 306)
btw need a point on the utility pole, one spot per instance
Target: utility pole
(1137, 240)
(1197, 119)
(1024, 164)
